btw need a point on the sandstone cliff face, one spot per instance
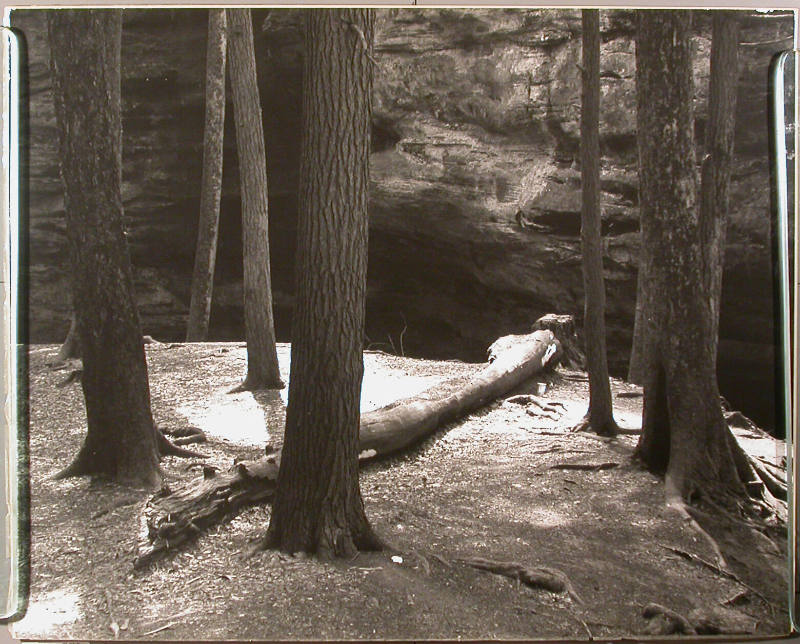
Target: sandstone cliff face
(475, 202)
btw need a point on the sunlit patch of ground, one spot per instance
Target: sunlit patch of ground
(245, 417)
(486, 486)
(51, 609)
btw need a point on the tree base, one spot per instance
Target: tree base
(257, 384)
(85, 465)
(607, 428)
(339, 544)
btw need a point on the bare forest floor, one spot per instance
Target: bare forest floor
(482, 487)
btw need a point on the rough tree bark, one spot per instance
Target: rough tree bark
(318, 506)
(211, 187)
(262, 356)
(717, 163)
(121, 442)
(684, 434)
(600, 416)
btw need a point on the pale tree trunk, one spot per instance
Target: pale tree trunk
(600, 415)
(211, 188)
(684, 432)
(636, 361)
(718, 160)
(121, 442)
(318, 506)
(262, 357)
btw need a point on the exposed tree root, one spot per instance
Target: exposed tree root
(676, 504)
(546, 578)
(608, 430)
(776, 486)
(670, 622)
(186, 435)
(724, 572)
(254, 384)
(166, 448)
(551, 409)
(74, 376)
(84, 464)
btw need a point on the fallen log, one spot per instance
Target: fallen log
(513, 360)
(171, 518)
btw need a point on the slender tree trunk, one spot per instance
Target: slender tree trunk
(211, 189)
(636, 366)
(318, 505)
(684, 432)
(85, 59)
(600, 415)
(718, 160)
(262, 357)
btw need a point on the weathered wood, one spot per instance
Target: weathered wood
(516, 359)
(171, 519)
(549, 579)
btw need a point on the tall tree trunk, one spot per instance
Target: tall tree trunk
(211, 189)
(318, 505)
(684, 432)
(85, 60)
(262, 357)
(716, 168)
(600, 415)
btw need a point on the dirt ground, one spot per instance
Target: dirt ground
(483, 487)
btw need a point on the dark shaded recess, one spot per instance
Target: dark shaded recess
(385, 136)
(621, 22)
(568, 224)
(423, 294)
(622, 146)
(627, 191)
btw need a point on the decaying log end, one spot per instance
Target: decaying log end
(170, 520)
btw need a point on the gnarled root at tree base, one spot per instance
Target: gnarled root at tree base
(172, 518)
